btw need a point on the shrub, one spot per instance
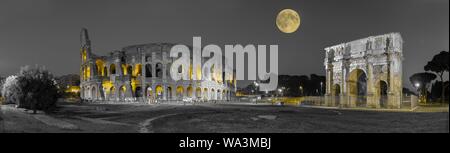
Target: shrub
(33, 88)
(10, 89)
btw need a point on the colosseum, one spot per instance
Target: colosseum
(140, 73)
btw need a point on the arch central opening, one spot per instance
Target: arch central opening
(358, 88)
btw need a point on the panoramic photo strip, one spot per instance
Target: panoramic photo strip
(224, 75)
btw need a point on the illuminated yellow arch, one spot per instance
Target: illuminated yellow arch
(88, 72)
(107, 85)
(124, 69)
(134, 83)
(99, 63)
(159, 90)
(83, 55)
(137, 70)
(189, 91)
(180, 91)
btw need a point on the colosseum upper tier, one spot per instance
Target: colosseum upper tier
(140, 73)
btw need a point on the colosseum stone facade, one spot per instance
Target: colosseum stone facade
(140, 73)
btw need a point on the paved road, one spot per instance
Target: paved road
(221, 118)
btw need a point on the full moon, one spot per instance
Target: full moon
(288, 21)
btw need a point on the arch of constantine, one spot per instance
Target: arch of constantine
(365, 72)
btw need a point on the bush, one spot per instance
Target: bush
(10, 89)
(33, 88)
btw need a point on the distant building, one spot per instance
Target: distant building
(141, 72)
(69, 83)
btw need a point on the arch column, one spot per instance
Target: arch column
(92, 70)
(372, 98)
(344, 97)
(164, 65)
(94, 93)
(213, 94)
(101, 92)
(205, 94)
(329, 100)
(118, 68)
(88, 93)
(394, 80)
(194, 90)
(82, 92)
(164, 94)
(116, 91)
(142, 77)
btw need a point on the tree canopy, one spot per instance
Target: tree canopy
(423, 79)
(32, 88)
(439, 63)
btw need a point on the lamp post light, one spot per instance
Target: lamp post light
(301, 90)
(257, 86)
(417, 85)
(280, 91)
(321, 88)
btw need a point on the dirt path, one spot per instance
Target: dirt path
(145, 126)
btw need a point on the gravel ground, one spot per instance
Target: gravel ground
(217, 118)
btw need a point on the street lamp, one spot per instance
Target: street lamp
(321, 87)
(280, 91)
(257, 86)
(417, 85)
(301, 90)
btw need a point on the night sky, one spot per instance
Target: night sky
(46, 32)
